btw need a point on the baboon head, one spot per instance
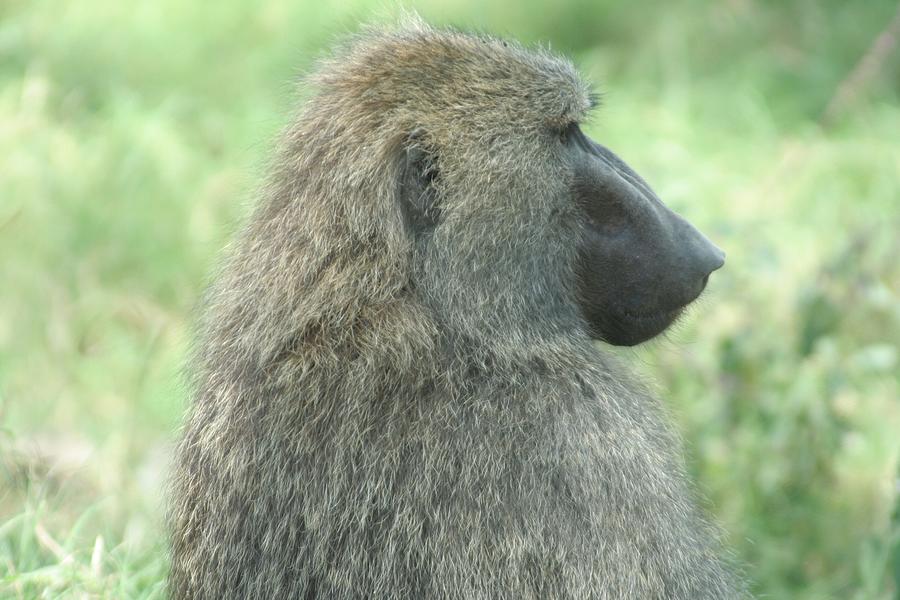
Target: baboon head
(494, 209)
(638, 263)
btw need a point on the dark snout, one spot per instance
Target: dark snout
(687, 256)
(699, 257)
(642, 263)
(711, 256)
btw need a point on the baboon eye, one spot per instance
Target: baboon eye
(565, 136)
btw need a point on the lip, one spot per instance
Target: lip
(669, 315)
(621, 326)
(632, 328)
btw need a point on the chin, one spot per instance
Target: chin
(629, 329)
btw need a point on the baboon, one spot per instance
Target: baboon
(398, 391)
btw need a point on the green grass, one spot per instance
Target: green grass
(133, 134)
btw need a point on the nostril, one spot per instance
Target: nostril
(717, 259)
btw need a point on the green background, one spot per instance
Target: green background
(133, 135)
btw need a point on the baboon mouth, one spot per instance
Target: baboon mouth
(650, 317)
(630, 328)
(640, 317)
(661, 319)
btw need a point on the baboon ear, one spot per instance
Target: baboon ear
(418, 174)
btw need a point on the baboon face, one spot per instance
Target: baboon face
(640, 263)
(587, 244)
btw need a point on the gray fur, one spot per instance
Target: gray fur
(383, 416)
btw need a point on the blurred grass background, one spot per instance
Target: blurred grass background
(132, 135)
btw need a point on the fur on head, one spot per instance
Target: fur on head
(487, 110)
